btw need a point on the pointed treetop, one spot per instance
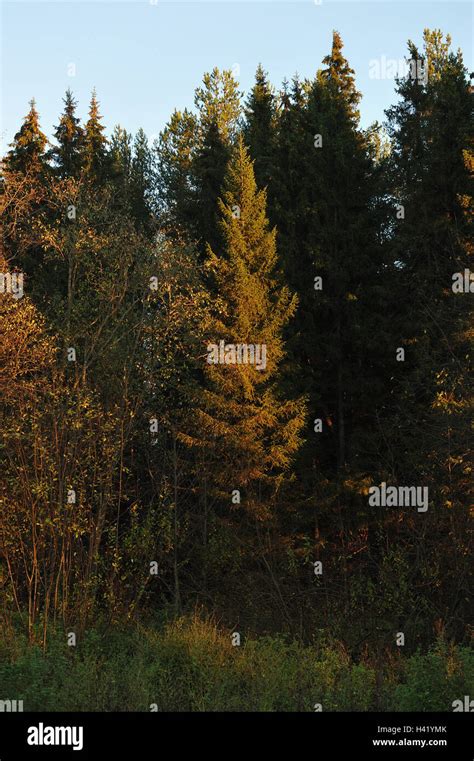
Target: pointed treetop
(28, 146)
(69, 135)
(243, 214)
(94, 141)
(340, 78)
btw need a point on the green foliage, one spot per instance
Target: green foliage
(94, 154)
(137, 259)
(244, 423)
(28, 148)
(69, 135)
(431, 682)
(191, 665)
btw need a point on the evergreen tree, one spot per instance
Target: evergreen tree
(175, 153)
(120, 155)
(24, 195)
(27, 152)
(249, 433)
(66, 155)
(94, 156)
(192, 156)
(431, 172)
(142, 180)
(218, 103)
(328, 195)
(260, 128)
(209, 169)
(339, 79)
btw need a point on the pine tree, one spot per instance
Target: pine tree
(94, 155)
(66, 155)
(247, 430)
(28, 148)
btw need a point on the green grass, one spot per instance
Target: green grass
(191, 665)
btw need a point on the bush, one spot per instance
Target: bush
(191, 665)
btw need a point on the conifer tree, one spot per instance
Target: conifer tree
(248, 431)
(175, 151)
(339, 78)
(24, 194)
(120, 154)
(66, 155)
(94, 155)
(260, 128)
(325, 210)
(209, 168)
(327, 203)
(141, 180)
(27, 152)
(218, 103)
(192, 156)
(431, 172)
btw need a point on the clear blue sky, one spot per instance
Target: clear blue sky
(146, 59)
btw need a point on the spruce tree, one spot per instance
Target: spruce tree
(326, 206)
(193, 152)
(66, 155)
(431, 173)
(247, 429)
(120, 154)
(94, 154)
(142, 180)
(260, 130)
(175, 151)
(209, 169)
(27, 151)
(218, 103)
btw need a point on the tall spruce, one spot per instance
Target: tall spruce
(66, 155)
(260, 130)
(249, 431)
(431, 175)
(27, 151)
(94, 156)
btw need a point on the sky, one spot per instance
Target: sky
(146, 57)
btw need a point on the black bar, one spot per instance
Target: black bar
(312, 736)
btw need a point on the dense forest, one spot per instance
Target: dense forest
(235, 400)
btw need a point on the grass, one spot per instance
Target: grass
(191, 665)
